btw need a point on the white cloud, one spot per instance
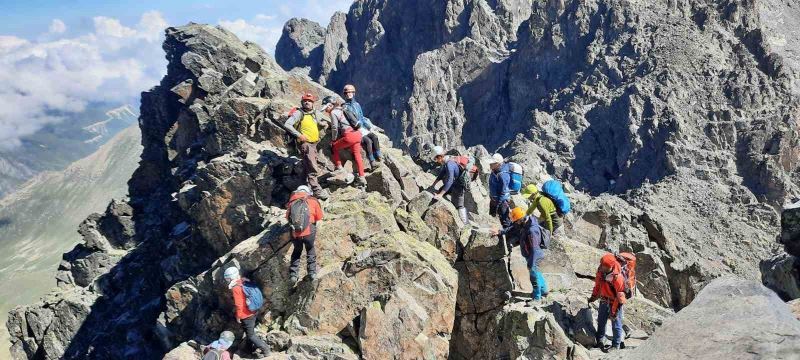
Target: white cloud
(57, 27)
(263, 17)
(265, 36)
(114, 63)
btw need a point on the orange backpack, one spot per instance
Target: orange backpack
(627, 262)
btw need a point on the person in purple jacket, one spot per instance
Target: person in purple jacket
(449, 175)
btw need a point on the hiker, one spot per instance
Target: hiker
(218, 350)
(548, 215)
(244, 315)
(499, 192)
(454, 181)
(303, 212)
(369, 141)
(609, 287)
(344, 136)
(304, 125)
(526, 232)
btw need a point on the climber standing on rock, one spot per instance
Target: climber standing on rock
(304, 125)
(244, 314)
(499, 191)
(303, 212)
(454, 181)
(345, 135)
(548, 215)
(609, 287)
(532, 239)
(369, 141)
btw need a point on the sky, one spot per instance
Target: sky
(58, 57)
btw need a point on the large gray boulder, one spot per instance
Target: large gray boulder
(731, 318)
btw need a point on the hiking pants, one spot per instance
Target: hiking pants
(457, 195)
(537, 279)
(249, 325)
(311, 253)
(351, 140)
(310, 167)
(616, 323)
(502, 210)
(372, 146)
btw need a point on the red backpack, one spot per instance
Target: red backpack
(465, 162)
(627, 261)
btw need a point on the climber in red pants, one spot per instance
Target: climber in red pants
(344, 136)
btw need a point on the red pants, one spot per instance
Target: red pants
(351, 140)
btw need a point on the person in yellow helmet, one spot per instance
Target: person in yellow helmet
(548, 216)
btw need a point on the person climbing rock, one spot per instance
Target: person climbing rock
(218, 350)
(303, 212)
(453, 181)
(344, 136)
(244, 315)
(548, 215)
(499, 192)
(304, 125)
(369, 141)
(609, 287)
(526, 232)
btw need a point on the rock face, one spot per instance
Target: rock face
(300, 44)
(782, 272)
(652, 101)
(730, 318)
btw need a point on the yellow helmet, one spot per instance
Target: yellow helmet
(517, 213)
(529, 190)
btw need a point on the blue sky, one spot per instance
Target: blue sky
(62, 56)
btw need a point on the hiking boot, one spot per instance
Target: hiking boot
(361, 182)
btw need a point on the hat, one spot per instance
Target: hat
(227, 336)
(517, 213)
(232, 273)
(307, 96)
(496, 159)
(529, 190)
(438, 151)
(304, 188)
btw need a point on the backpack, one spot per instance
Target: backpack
(627, 262)
(253, 296)
(299, 214)
(553, 190)
(515, 173)
(352, 118)
(467, 165)
(546, 236)
(213, 354)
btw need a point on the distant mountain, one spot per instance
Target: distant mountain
(55, 146)
(39, 221)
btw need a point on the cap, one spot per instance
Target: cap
(232, 273)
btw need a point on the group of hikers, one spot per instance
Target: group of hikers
(530, 226)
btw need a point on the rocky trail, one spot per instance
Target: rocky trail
(692, 184)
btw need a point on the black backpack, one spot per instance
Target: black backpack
(213, 354)
(299, 216)
(351, 117)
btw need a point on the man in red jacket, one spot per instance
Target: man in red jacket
(303, 236)
(609, 287)
(243, 315)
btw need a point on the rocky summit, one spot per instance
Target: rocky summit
(673, 124)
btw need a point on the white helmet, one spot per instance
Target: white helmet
(304, 188)
(232, 273)
(438, 151)
(497, 159)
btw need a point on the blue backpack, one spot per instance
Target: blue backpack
(553, 190)
(255, 300)
(515, 172)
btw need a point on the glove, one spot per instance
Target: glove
(591, 299)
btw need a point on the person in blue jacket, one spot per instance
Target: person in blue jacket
(449, 175)
(526, 232)
(499, 191)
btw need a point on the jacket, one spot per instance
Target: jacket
(298, 124)
(449, 172)
(240, 301)
(527, 234)
(314, 212)
(611, 291)
(339, 124)
(548, 217)
(498, 183)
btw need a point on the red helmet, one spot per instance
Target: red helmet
(307, 96)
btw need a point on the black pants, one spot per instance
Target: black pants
(457, 195)
(372, 146)
(502, 210)
(249, 325)
(311, 253)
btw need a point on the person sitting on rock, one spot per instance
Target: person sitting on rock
(344, 136)
(369, 141)
(548, 216)
(218, 350)
(304, 125)
(609, 287)
(244, 315)
(499, 191)
(526, 232)
(303, 212)
(451, 177)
